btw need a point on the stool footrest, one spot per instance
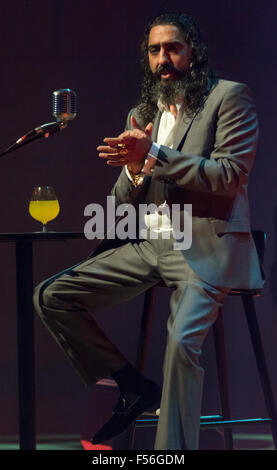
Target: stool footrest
(213, 421)
(229, 423)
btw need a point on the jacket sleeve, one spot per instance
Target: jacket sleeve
(231, 159)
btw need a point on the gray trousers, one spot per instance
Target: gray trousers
(66, 305)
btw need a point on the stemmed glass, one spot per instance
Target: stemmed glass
(44, 205)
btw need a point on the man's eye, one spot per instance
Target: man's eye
(153, 50)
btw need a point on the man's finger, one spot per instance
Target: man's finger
(120, 162)
(113, 141)
(107, 149)
(148, 129)
(114, 156)
(135, 124)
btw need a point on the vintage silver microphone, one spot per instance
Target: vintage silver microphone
(64, 107)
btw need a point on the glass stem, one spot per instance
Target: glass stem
(44, 228)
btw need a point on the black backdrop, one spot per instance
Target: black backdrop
(92, 47)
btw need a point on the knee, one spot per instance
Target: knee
(185, 347)
(43, 298)
(37, 300)
(38, 297)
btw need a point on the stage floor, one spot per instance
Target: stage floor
(209, 441)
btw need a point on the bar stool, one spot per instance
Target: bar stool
(223, 419)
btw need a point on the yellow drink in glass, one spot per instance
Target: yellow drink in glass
(44, 205)
(44, 211)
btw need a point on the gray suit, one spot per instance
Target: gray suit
(209, 169)
(211, 172)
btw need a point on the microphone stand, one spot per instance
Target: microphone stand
(42, 131)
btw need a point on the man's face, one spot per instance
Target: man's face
(168, 52)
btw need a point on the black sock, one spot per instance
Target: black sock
(130, 380)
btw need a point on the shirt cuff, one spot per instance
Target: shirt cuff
(128, 173)
(137, 180)
(148, 166)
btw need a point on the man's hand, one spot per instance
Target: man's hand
(129, 148)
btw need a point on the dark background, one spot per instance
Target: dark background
(93, 48)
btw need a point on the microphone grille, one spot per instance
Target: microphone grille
(64, 104)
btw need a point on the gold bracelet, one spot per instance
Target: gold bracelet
(135, 177)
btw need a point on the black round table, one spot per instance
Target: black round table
(25, 326)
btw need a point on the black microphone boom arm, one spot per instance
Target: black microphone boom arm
(45, 130)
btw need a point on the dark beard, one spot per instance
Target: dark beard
(184, 85)
(169, 92)
(171, 89)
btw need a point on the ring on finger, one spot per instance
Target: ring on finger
(122, 149)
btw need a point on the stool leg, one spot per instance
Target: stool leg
(221, 360)
(145, 327)
(253, 326)
(143, 343)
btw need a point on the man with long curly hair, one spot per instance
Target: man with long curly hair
(190, 140)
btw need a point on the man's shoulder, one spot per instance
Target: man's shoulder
(224, 86)
(230, 92)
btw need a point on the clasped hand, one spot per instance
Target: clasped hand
(129, 148)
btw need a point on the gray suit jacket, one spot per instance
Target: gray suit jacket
(209, 169)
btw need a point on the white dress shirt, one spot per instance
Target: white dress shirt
(160, 221)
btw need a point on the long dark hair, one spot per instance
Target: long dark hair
(198, 82)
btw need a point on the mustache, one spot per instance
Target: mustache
(168, 68)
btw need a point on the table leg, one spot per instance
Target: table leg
(25, 345)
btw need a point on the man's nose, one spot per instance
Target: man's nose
(163, 57)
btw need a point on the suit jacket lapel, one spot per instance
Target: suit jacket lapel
(156, 123)
(182, 131)
(185, 126)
